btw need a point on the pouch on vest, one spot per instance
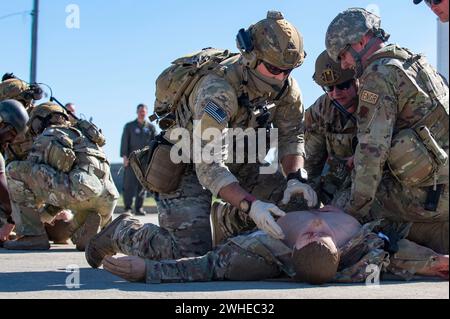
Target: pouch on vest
(154, 168)
(92, 132)
(178, 81)
(60, 157)
(415, 157)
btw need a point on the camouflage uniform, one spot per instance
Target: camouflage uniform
(184, 214)
(2, 170)
(398, 90)
(257, 256)
(85, 187)
(13, 89)
(330, 140)
(378, 121)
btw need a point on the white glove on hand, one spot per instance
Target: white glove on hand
(262, 212)
(294, 186)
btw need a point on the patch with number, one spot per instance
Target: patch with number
(216, 112)
(369, 97)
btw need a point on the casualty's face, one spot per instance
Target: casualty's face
(316, 230)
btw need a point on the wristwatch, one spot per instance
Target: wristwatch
(246, 204)
(301, 175)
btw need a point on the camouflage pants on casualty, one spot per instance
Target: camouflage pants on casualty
(257, 256)
(184, 217)
(32, 186)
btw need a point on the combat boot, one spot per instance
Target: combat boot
(100, 245)
(140, 212)
(88, 230)
(28, 243)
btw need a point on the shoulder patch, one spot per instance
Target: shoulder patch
(216, 112)
(369, 97)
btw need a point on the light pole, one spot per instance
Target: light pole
(34, 41)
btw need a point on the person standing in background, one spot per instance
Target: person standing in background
(439, 7)
(136, 135)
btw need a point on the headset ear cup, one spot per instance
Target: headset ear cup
(245, 45)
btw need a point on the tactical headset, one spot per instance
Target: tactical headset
(246, 47)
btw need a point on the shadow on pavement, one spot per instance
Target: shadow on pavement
(97, 279)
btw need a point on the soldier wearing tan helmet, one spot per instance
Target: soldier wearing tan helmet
(401, 161)
(13, 88)
(66, 169)
(330, 137)
(229, 95)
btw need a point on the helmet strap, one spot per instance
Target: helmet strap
(357, 56)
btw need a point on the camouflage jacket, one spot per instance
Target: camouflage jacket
(394, 94)
(328, 137)
(215, 102)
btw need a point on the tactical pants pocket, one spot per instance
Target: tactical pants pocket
(85, 186)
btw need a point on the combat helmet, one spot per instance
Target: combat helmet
(328, 72)
(349, 27)
(15, 88)
(274, 40)
(13, 113)
(41, 115)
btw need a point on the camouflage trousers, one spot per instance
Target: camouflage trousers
(257, 256)
(35, 187)
(184, 216)
(398, 204)
(406, 204)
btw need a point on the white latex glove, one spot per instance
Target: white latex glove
(294, 186)
(261, 213)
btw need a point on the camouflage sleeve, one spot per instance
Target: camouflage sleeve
(214, 102)
(377, 112)
(315, 141)
(289, 119)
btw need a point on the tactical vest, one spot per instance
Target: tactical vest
(66, 148)
(419, 154)
(19, 150)
(340, 139)
(176, 83)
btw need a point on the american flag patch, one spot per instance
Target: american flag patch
(216, 112)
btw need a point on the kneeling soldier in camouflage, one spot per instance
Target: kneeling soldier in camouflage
(66, 169)
(13, 121)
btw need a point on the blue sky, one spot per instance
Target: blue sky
(109, 65)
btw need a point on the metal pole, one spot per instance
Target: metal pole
(34, 41)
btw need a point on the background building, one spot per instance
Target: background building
(442, 48)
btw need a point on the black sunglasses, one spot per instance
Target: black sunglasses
(343, 86)
(435, 2)
(275, 70)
